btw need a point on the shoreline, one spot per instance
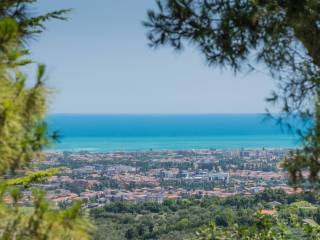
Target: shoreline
(171, 150)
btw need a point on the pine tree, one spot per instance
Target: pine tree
(282, 35)
(23, 133)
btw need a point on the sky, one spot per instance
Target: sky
(99, 62)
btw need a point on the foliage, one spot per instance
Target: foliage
(31, 177)
(40, 221)
(23, 134)
(281, 35)
(307, 159)
(266, 228)
(237, 217)
(28, 24)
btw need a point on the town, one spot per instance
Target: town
(99, 178)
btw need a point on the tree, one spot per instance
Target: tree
(130, 234)
(265, 228)
(240, 34)
(23, 133)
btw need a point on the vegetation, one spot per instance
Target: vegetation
(283, 35)
(238, 34)
(23, 133)
(268, 215)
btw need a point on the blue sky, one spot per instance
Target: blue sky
(99, 62)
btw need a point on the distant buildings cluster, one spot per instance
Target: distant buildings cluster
(99, 178)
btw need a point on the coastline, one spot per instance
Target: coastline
(133, 144)
(165, 151)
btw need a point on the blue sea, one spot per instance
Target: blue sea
(103, 133)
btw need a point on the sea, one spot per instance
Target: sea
(141, 132)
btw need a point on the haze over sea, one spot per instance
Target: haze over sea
(101, 133)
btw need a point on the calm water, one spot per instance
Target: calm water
(161, 132)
